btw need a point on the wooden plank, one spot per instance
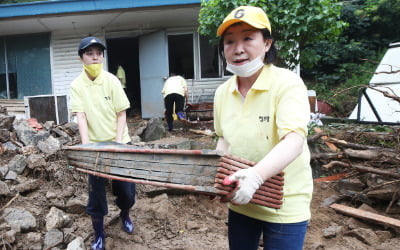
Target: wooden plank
(153, 157)
(181, 167)
(362, 214)
(149, 175)
(202, 189)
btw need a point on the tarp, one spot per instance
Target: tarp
(373, 106)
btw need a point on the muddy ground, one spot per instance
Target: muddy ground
(173, 219)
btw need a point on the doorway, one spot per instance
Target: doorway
(125, 52)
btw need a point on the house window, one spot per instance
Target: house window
(183, 61)
(180, 54)
(25, 66)
(209, 59)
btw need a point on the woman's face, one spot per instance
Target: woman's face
(93, 54)
(243, 43)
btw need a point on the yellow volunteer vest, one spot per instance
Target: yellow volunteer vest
(100, 99)
(276, 104)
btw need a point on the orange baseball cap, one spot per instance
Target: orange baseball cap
(253, 16)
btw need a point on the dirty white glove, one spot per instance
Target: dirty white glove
(248, 181)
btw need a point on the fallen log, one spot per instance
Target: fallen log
(361, 168)
(362, 214)
(327, 155)
(374, 155)
(344, 143)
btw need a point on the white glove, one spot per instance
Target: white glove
(248, 182)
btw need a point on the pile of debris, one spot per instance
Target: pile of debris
(34, 172)
(366, 175)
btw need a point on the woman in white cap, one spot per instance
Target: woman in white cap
(261, 114)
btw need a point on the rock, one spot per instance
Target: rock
(4, 190)
(3, 171)
(365, 235)
(51, 194)
(3, 110)
(383, 235)
(354, 223)
(6, 121)
(48, 125)
(19, 219)
(17, 164)
(53, 238)
(35, 240)
(68, 191)
(9, 236)
(49, 146)
(10, 147)
(332, 231)
(353, 184)
(160, 206)
(28, 135)
(30, 149)
(76, 244)
(329, 201)
(76, 205)
(154, 131)
(56, 218)
(27, 186)
(141, 128)
(35, 161)
(62, 136)
(11, 175)
(135, 139)
(4, 135)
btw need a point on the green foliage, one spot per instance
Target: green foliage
(294, 23)
(344, 95)
(330, 67)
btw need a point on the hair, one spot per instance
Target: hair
(80, 52)
(271, 55)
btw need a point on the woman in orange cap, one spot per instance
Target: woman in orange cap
(261, 114)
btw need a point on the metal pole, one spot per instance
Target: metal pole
(6, 68)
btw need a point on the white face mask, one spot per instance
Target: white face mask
(247, 69)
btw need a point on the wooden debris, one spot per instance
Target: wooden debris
(326, 140)
(200, 171)
(362, 168)
(362, 214)
(202, 132)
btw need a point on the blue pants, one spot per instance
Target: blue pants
(97, 205)
(244, 233)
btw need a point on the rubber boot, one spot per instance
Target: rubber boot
(181, 116)
(127, 224)
(99, 235)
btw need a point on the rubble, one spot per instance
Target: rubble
(34, 173)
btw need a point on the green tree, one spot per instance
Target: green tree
(350, 60)
(294, 23)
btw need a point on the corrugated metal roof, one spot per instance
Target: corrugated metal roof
(71, 6)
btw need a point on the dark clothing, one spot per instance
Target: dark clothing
(245, 233)
(97, 205)
(169, 101)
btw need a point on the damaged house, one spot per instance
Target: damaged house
(150, 39)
